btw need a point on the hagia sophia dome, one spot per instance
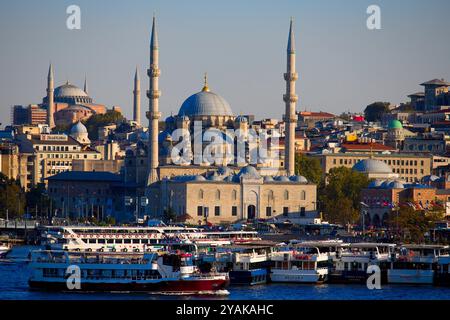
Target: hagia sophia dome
(205, 103)
(69, 93)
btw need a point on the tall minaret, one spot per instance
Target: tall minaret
(85, 85)
(290, 98)
(50, 98)
(137, 98)
(153, 114)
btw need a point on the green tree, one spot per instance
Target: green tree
(309, 167)
(374, 111)
(412, 224)
(12, 198)
(98, 120)
(37, 198)
(340, 198)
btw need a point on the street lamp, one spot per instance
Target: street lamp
(363, 214)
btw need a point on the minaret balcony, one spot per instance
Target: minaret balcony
(292, 98)
(292, 76)
(153, 115)
(290, 119)
(153, 94)
(153, 72)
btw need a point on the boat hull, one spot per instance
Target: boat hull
(299, 276)
(406, 276)
(250, 277)
(185, 286)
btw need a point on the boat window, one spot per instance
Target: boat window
(110, 240)
(127, 240)
(119, 241)
(135, 240)
(92, 241)
(101, 240)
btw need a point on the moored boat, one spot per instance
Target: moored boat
(351, 262)
(4, 250)
(414, 264)
(442, 276)
(304, 262)
(249, 264)
(122, 272)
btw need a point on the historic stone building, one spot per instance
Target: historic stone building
(44, 155)
(409, 167)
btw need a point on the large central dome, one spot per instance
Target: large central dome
(205, 103)
(69, 90)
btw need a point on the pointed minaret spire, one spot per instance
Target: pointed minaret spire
(85, 89)
(290, 99)
(137, 98)
(291, 39)
(154, 38)
(153, 114)
(50, 98)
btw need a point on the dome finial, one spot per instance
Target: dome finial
(205, 87)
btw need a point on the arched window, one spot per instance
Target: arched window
(286, 195)
(217, 194)
(303, 195)
(200, 194)
(234, 195)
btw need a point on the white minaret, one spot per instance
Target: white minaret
(290, 98)
(153, 114)
(137, 98)
(50, 98)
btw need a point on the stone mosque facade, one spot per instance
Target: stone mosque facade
(217, 193)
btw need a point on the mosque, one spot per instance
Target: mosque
(217, 192)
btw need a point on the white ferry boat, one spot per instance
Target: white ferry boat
(136, 239)
(247, 264)
(304, 262)
(121, 272)
(4, 250)
(415, 264)
(352, 260)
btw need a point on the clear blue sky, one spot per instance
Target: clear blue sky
(241, 44)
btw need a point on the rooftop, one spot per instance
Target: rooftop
(436, 82)
(85, 176)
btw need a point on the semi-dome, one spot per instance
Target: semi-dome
(430, 178)
(78, 128)
(386, 184)
(300, 179)
(396, 185)
(375, 183)
(69, 90)
(199, 178)
(241, 119)
(268, 179)
(282, 179)
(249, 172)
(372, 166)
(205, 103)
(395, 124)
